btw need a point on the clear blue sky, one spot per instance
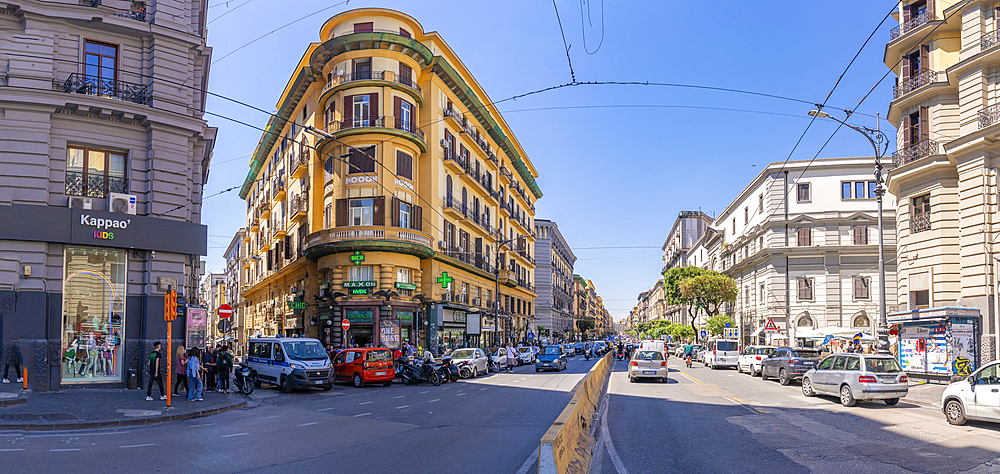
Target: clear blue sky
(616, 163)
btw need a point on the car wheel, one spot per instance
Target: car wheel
(847, 396)
(954, 412)
(256, 380)
(739, 368)
(536, 370)
(763, 374)
(631, 380)
(328, 387)
(755, 372)
(783, 377)
(663, 380)
(891, 401)
(465, 372)
(807, 387)
(286, 384)
(387, 383)
(358, 382)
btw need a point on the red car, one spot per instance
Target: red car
(364, 365)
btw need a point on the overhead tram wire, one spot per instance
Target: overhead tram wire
(279, 29)
(584, 29)
(227, 12)
(572, 75)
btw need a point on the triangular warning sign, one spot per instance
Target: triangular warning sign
(770, 326)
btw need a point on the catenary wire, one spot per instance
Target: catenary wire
(572, 75)
(227, 12)
(279, 29)
(584, 29)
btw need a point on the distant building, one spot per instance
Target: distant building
(688, 228)
(236, 264)
(212, 294)
(553, 278)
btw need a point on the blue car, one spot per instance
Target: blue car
(551, 358)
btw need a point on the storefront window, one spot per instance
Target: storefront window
(93, 315)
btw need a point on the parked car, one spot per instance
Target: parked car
(551, 358)
(647, 363)
(722, 353)
(976, 397)
(751, 357)
(526, 355)
(855, 377)
(579, 347)
(699, 353)
(365, 365)
(788, 364)
(499, 359)
(474, 357)
(290, 363)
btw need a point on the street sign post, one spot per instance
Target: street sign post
(169, 315)
(224, 311)
(225, 326)
(770, 326)
(346, 324)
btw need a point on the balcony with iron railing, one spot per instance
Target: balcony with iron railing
(920, 222)
(278, 190)
(375, 238)
(359, 76)
(78, 83)
(921, 149)
(299, 164)
(989, 116)
(989, 40)
(299, 209)
(455, 207)
(79, 183)
(913, 23)
(918, 80)
(388, 122)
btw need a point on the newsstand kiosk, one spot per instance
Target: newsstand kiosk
(937, 343)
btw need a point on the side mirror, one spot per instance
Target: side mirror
(972, 380)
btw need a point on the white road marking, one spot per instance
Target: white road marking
(404, 406)
(685, 376)
(362, 414)
(482, 389)
(234, 434)
(325, 409)
(138, 445)
(426, 391)
(463, 393)
(62, 450)
(11, 449)
(309, 424)
(203, 424)
(268, 417)
(435, 400)
(365, 403)
(751, 410)
(606, 436)
(401, 396)
(77, 434)
(528, 463)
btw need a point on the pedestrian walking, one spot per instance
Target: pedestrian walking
(180, 369)
(208, 367)
(154, 373)
(511, 357)
(223, 367)
(194, 373)
(15, 360)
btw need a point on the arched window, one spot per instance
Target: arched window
(475, 206)
(448, 185)
(465, 199)
(861, 320)
(805, 321)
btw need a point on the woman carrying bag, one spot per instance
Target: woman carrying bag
(180, 369)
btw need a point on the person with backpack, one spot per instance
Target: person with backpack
(154, 373)
(194, 372)
(223, 366)
(208, 367)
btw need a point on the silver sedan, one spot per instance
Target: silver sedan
(855, 377)
(649, 364)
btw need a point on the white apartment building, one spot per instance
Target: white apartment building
(687, 229)
(801, 241)
(946, 105)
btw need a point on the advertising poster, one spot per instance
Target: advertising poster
(390, 332)
(197, 319)
(963, 354)
(911, 354)
(937, 354)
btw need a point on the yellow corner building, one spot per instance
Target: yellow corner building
(388, 192)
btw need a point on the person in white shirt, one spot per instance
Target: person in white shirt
(511, 357)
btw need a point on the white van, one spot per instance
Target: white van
(659, 346)
(289, 362)
(722, 353)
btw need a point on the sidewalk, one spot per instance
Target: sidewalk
(926, 394)
(89, 409)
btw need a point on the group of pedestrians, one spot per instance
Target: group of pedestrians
(194, 369)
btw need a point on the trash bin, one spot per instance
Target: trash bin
(133, 380)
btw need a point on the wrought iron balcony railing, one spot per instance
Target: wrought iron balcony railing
(371, 76)
(374, 122)
(919, 80)
(121, 90)
(989, 40)
(139, 14)
(920, 223)
(79, 183)
(989, 116)
(922, 149)
(911, 24)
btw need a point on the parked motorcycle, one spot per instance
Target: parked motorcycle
(429, 372)
(408, 373)
(244, 379)
(448, 369)
(465, 370)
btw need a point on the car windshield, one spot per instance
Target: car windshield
(882, 365)
(523, 349)
(766, 350)
(726, 346)
(304, 350)
(463, 353)
(383, 355)
(648, 355)
(805, 354)
(552, 350)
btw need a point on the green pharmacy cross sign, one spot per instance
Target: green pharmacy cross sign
(445, 280)
(358, 257)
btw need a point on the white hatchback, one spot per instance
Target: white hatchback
(751, 357)
(976, 397)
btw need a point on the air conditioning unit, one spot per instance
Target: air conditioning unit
(477, 301)
(448, 297)
(122, 203)
(444, 143)
(442, 245)
(81, 202)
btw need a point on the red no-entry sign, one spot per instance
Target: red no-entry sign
(225, 311)
(346, 325)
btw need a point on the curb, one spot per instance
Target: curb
(117, 422)
(12, 401)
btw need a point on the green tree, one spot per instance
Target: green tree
(708, 291)
(672, 288)
(681, 332)
(717, 323)
(585, 324)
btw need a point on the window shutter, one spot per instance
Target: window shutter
(906, 126)
(905, 71)
(341, 213)
(417, 218)
(924, 126)
(375, 112)
(925, 51)
(395, 211)
(378, 213)
(348, 109)
(907, 13)
(930, 10)
(397, 112)
(996, 19)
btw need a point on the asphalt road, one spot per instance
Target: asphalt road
(720, 421)
(483, 425)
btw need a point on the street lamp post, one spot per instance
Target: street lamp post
(880, 143)
(496, 296)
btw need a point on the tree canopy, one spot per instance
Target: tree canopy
(717, 323)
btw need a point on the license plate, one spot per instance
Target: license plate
(379, 373)
(648, 372)
(887, 379)
(318, 382)
(808, 363)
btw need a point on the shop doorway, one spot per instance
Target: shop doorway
(360, 339)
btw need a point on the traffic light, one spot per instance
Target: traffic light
(170, 306)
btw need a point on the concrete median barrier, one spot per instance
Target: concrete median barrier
(567, 446)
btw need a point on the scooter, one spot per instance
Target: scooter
(465, 370)
(687, 360)
(448, 370)
(620, 355)
(586, 355)
(244, 380)
(430, 373)
(408, 373)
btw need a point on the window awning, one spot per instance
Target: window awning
(757, 332)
